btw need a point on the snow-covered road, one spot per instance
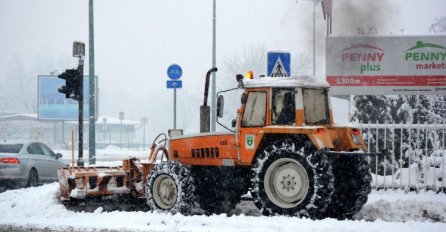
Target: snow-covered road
(38, 208)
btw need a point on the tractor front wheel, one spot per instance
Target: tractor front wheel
(170, 188)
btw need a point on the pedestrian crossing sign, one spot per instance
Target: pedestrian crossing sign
(279, 64)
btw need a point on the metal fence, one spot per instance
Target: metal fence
(413, 155)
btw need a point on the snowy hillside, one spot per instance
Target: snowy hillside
(38, 209)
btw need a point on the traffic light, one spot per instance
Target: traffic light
(71, 88)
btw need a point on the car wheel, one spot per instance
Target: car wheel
(33, 178)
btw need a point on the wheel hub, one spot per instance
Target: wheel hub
(286, 183)
(165, 191)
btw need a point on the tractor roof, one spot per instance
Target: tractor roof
(295, 81)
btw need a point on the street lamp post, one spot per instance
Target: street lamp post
(314, 35)
(214, 51)
(91, 83)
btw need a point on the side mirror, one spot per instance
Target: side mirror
(239, 78)
(58, 155)
(243, 99)
(220, 106)
(234, 123)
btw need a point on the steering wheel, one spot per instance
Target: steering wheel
(161, 139)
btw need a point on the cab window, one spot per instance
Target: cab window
(255, 110)
(283, 111)
(315, 106)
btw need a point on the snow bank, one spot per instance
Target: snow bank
(38, 207)
(398, 206)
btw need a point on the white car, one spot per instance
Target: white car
(27, 163)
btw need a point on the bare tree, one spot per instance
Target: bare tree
(439, 25)
(254, 58)
(19, 88)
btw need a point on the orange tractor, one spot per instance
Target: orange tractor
(283, 148)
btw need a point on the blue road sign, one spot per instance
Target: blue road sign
(279, 64)
(174, 84)
(174, 72)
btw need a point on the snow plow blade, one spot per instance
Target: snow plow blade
(84, 182)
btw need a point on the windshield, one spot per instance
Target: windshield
(10, 148)
(315, 106)
(255, 110)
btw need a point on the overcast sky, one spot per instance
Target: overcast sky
(137, 40)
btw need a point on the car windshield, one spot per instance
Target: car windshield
(10, 148)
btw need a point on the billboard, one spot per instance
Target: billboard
(375, 65)
(53, 105)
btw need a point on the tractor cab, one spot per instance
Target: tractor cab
(294, 101)
(271, 108)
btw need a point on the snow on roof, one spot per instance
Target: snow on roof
(109, 120)
(295, 81)
(16, 116)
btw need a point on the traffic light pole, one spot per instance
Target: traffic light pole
(74, 89)
(80, 160)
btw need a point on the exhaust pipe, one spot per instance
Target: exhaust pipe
(205, 110)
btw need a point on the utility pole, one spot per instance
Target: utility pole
(314, 35)
(92, 97)
(214, 51)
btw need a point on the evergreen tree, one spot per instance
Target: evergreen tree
(392, 110)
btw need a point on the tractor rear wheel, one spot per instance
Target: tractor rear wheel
(170, 188)
(291, 179)
(351, 188)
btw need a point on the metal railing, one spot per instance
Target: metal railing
(413, 155)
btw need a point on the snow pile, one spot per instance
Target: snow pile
(38, 209)
(399, 206)
(403, 211)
